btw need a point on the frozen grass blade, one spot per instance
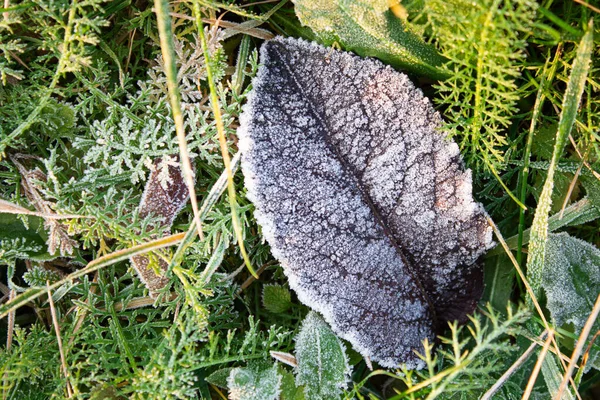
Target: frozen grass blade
(572, 98)
(583, 209)
(168, 52)
(209, 201)
(222, 141)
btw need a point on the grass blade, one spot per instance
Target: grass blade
(572, 98)
(222, 141)
(104, 261)
(168, 53)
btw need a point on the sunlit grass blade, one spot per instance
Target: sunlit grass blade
(109, 259)
(547, 76)
(572, 98)
(168, 52)
(222, 141)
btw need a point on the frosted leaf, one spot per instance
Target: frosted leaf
(323, 367)
(254, 383)
(571, 280)
(164, 196)
(364, 202)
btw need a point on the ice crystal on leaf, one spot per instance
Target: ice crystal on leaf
(323, 367)
(571, 280)
(364, 202)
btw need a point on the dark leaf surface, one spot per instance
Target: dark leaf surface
(364, 202)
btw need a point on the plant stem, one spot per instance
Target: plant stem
(168, 54)
(222, 141)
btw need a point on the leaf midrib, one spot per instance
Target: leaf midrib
(364, 193)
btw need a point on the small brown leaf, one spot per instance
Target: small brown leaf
(164, 196)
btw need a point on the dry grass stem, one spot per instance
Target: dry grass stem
(63, 361)
(529, 291)
(538, 366)
(513, 368)
(577, 350)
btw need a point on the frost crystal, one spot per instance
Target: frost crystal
(364, 202)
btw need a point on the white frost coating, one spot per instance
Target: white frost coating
(571, 278)
(323, 367)
(254, 383)
(365, 204)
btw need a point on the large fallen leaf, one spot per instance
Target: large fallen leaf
(364, 202)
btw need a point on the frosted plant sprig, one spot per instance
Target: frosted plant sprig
(191, 68)
(79, 23)
(127, 145)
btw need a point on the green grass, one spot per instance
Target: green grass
(91, 92)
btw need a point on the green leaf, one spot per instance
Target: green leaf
(592, 187)
(20, 241)
(276, 298)
(499, 279)
(255, 382)
(322, 363)
(370, 29)
(572, 98)
(289, 390)
(219, 377)
(571, 280)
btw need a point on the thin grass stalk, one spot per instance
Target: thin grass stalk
(222, 141)
(9, 340)
(537, 367)
(585, 357)
(161, 8)
(63, 361)
(585, 332)
(510, 371)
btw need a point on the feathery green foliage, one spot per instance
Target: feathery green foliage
(483, 41)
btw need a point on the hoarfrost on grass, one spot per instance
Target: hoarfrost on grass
(365, 204)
